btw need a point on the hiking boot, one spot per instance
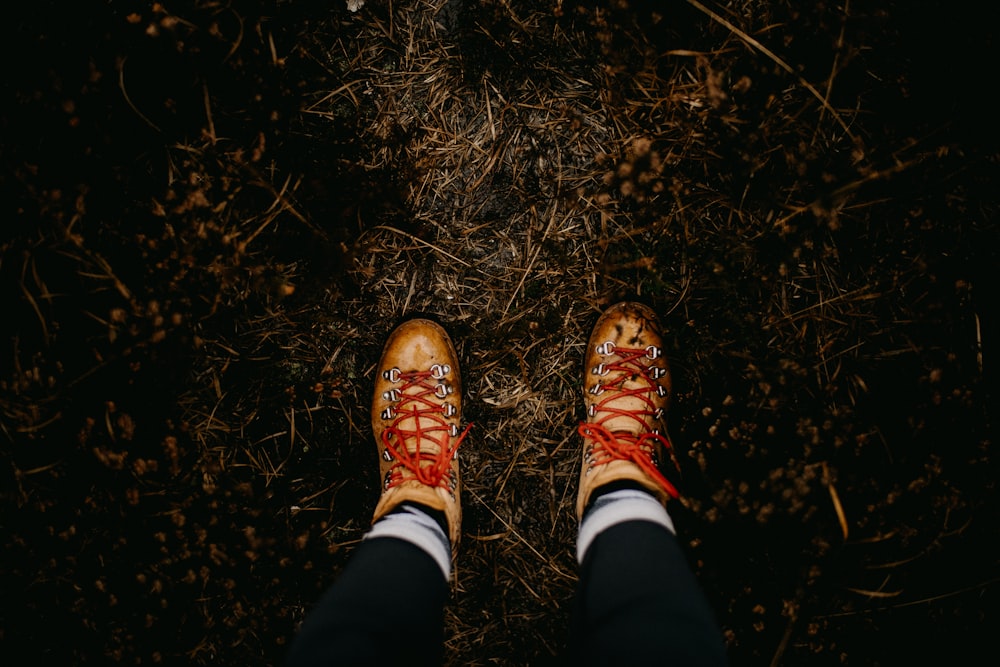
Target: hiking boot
(416, 412)
(626, 391)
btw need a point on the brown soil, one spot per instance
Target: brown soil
(215, 212)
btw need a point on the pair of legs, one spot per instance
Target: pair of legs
(637, 602)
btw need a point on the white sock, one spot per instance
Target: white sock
(618, 507)
(417, 528)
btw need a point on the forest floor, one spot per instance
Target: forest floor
(216, 212)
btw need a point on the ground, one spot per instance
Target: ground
(215, 213)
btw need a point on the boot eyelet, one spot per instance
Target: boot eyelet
(448, 409)
(656, 372)
(391, 395)
(661, 391)
(388, 413)
(453, 430)
(653, 352)
(386, 455)
(392, 374)
(597, 389)
(606, 348)
(438, 371)
(442, 390)
(600, 369)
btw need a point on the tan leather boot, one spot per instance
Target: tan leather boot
(626, 391)
(416, 412)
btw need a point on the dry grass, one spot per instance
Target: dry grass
(186, 392)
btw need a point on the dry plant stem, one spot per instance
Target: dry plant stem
(778, 61)
(834, 68)
(128, 100)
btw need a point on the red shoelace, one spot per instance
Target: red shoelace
(621, 445)
(420, 405)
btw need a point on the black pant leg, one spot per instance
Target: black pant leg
(387, 607)
(638, 603)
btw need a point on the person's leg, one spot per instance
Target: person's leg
(387, 606)
(638, 601)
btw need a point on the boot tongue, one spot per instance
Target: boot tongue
(433, 433)
(614, 399)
